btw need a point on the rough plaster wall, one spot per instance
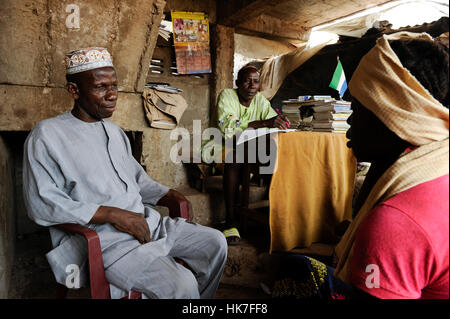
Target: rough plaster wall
(6, 218)
(156, 158)
(22, 42)
(32, 76)
(21, 107)
(35, 38)
(61, 39)
(197, 95)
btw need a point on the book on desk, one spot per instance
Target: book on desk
(331, 117)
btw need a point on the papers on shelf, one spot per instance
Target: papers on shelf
(165, 29)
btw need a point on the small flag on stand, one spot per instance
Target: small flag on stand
(338, 81)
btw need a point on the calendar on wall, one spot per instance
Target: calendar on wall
(191, 42)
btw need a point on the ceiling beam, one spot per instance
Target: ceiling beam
(272, 28)
(234, 12)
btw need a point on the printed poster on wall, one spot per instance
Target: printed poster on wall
(191, 41)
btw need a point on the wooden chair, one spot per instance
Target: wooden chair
(99, 286)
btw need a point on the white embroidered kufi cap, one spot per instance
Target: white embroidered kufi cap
(87, 59)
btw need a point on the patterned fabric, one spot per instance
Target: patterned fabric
(306, 278)
(87, 59)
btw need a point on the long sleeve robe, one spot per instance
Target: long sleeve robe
(70, 168)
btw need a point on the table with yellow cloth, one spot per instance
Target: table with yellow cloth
(311, 189)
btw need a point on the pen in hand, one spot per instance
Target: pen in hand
(287, 122)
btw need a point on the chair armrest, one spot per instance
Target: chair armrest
(177, 207)
(98, 283)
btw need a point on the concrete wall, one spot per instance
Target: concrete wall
(6, 217)
(35, 37)
(33, 42)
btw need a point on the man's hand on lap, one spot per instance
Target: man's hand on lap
(125, 221)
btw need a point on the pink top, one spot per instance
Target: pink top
(406, 238)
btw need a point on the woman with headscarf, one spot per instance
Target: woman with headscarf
(397, 245)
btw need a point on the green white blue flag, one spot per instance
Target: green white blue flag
(338, 81)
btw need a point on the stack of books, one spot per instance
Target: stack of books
(298, 111)
(290, 110)
(331, 116)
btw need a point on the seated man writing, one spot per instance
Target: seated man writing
(397, 245)
(239, 109)
(78, 168)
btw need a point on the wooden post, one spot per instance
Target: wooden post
(222, 60)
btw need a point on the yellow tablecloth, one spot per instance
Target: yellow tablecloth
(311, 189)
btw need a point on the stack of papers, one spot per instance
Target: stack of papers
(163, 87)
(165, 29)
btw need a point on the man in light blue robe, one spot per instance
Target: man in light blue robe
(78, 168)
